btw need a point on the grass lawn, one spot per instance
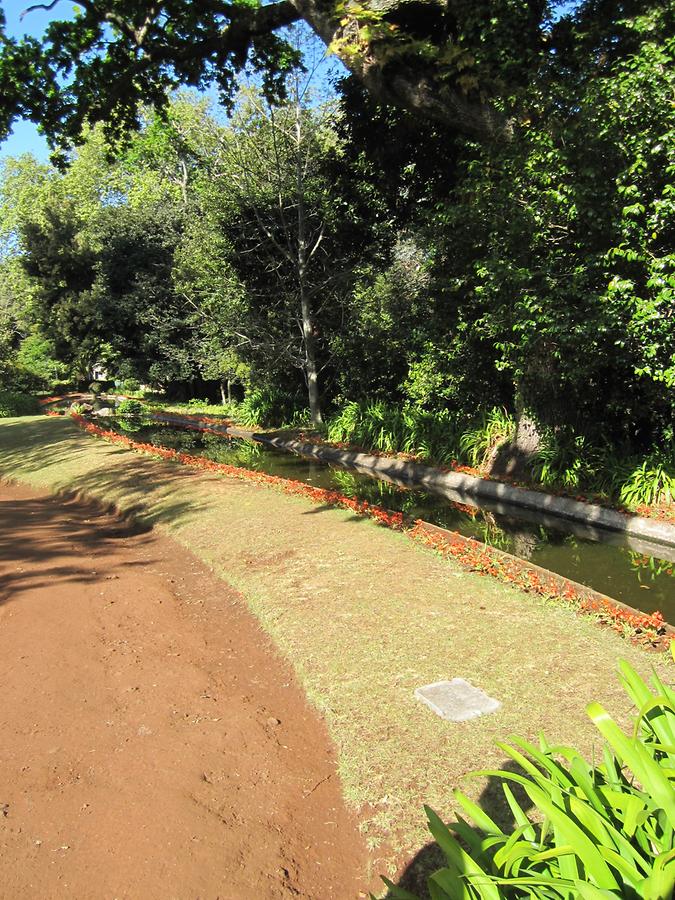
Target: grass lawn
(365, 617)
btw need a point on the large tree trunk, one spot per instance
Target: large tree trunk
(423, 90)
(514, 457)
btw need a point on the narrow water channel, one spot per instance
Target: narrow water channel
(629, 569)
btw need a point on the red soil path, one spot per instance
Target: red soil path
(154, 745)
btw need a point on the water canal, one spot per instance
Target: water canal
(625, 568)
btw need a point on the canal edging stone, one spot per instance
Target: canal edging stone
(416, 474)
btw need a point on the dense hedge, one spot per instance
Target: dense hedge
(14, 403)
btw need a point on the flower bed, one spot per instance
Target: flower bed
(649, 630)
(287, 485)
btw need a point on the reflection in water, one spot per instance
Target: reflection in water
(627, 569)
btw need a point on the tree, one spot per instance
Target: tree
(468, 65)
(271, 171)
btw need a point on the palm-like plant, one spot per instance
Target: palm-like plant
(603, 831)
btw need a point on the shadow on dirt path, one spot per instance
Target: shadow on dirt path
(154, 743)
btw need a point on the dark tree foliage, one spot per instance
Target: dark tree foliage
(108, 296)
(464, 64)
(497, 196)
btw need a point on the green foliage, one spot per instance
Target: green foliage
(268, 408)
(95, 388)
(650, 483)
(37, 356)
(544, 283)
(15, 378)
(13, 403)
(396, 429)
(479, 443)
(574, 463)
(376, 343)
(130, 386)
(600, 830)
(132, 409)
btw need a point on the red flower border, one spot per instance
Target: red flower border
(649, 630)
(287, 485)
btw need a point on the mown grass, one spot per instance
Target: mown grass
(365, 617)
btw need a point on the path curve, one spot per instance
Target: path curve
(154, 744)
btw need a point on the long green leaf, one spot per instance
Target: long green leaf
(477, 844)
(458, 859)
(512, 851)
(643, 766)
(660, 884)
(519, 816)
(569, 832)
(628, 872)
(478, 815)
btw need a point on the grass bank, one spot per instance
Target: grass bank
(365, 617)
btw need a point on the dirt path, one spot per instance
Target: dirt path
(153, 742)
(365, 617)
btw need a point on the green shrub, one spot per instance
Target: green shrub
(21, 381)
(650, 483)
(396, 429)
(96, 388)
(267, 408)
(494, 428)
(130, 409)
(571, 462)
(600, 831)
(14, 403)
(200, 406)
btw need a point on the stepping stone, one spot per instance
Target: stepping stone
(456, 700)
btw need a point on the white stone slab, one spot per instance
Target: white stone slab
(456, 700)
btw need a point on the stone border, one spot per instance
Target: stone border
(457, 486)
(470, 487)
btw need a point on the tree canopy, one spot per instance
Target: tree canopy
(470, 66)
(394, 254)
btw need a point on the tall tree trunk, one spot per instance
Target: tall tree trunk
(311, 370)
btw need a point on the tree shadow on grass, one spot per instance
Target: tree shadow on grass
(430, 858)
(141, 488)
(353, 518)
